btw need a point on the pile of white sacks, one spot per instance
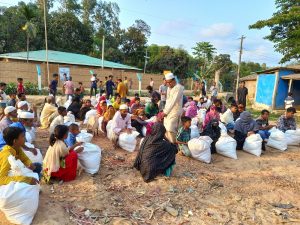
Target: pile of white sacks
(19, 201)
(226, 145)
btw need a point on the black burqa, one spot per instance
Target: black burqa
(214, 132)
(156, 154)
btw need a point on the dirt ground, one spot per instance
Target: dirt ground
(250, 190)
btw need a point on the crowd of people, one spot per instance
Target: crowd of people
(163, 120)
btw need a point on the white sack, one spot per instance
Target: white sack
(195, 121)
(253, 144)
(194, 132)
(67, 103)
(89, 114)
(84, 137)
(292, 137)
(277, 139)
(144, 131)
(128, 141)
(200, 148)
(69, 118)
(226, 146)
(19, 201)
(38, 158)
(100, 123)
(201, 115)
(109, 130)
(222, 127)
(90, 158)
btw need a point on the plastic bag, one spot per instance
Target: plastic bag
(253, 144)
(277, 139)
(226, 146)
(90, 158)
(194, 132)
(128, 141)
(201, 115)
(69, 118)
(292, 137)
(19, 201)
(38, 158)
(222, 127)
(109, 130)
(84, 137)
(200, 148)
(90, 113)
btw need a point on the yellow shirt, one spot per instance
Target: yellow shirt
(5, 166)
(116, 105)
(47, 111)
(122, 90)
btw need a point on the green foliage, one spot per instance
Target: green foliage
(248, 68)
(204, 51)
(31, 88)
(285, 29)
(11, 88)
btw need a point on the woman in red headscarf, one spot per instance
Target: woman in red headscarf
(210, 115)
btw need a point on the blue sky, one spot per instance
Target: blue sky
(222, 22)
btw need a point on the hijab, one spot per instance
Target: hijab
(210, 115)
(245, 123)
(191, 110)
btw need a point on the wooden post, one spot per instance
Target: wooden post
(290, 84)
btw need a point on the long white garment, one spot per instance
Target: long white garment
(173, 108)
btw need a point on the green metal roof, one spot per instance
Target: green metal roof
(65, 58)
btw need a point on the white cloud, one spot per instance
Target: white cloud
(217, 30)
(173, 26)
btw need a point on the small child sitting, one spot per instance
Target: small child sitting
(73, 132)
(59, 120)
(184, 135)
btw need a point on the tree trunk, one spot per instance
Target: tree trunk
(217, 78)
(27, 47)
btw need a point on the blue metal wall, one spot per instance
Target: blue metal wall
(282, 90)
(265, 87)
(296, 92)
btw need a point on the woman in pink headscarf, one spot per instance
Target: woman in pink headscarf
(210, 115)
(191, 110)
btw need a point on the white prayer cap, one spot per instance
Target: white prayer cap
(169, 76)
(22, 103)
(26, 115)
(9, 109)
(123, 107)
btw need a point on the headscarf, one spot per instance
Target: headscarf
(210, 115)
(156, 154)
(109, 114)
(245, 123)
(191, 110)
(214, 132)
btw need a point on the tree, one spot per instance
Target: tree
(88, 6)
(222, 64)
(204, 52)
(70, 6)
(285, 29)
(68, 33)
(248, 68)
(29, 26)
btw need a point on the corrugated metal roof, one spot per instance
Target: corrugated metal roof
(295, 76)
(249, 77)
(295, 68)
(65, 58)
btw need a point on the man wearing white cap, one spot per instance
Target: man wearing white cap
(121, 123)
(22, 106)
(173, 107)
(25, 121)
(11, 116)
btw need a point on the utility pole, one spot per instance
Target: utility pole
(239, 65)
(103, 39)
(146, 60)
(46, 40)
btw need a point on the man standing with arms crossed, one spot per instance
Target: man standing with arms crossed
(173, 108)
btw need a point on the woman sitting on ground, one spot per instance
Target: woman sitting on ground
(210, 115)
(101, 108)
(87, 106)
(75, 107)
(214, 132)
(244, 127)
(156, 155)
(60, 161)
(107, 116)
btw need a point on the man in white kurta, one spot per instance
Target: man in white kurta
(173, 108)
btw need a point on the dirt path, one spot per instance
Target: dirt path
(227, 191)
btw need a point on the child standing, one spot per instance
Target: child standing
(289, 100)
(53, 85)
(20, 87)
(184, 135)
(3, 99)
